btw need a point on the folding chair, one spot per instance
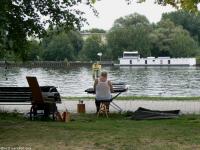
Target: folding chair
(46, 105)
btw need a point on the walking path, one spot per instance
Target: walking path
(186, 107)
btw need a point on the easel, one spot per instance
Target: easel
(96, 70)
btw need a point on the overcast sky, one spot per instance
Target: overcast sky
(110, 10)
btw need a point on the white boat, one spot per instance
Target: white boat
(133, 59)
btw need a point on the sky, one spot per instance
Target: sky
(110, 10)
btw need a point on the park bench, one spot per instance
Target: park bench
(24, 96)
(11, 95)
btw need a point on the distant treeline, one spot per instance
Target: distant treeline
(177, 34)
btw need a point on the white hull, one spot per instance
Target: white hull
(154, 65)
(160, 61)
(133, 59)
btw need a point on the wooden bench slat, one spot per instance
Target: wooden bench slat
(24, 94)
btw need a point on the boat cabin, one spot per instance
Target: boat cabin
(133, 54)
(133, 59)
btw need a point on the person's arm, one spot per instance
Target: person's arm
(111, 87)
(95, 83)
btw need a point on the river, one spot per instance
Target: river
(142, 81)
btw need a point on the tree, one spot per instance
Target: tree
(34, 52)
(170, 40)
(131, 20)
(189, 5)
(94, 30)
(20, 19)
(8, 55)
(76, 41)
(73, 38)
(160, 38)
(59, 48)
(182, 45)
(189, 21)
(130, 33)
(91, 47)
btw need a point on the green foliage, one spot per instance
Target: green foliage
(198, 59)
(20, 19)
(94, 30)
(131, 20)
(134, 33)
(59, 48)
(61, 45)
(93, 1)
(130, 34)
(34, 52)
(91, 47)
(8, 55)
(76, 41)
(189, 5)
(170, 40)
(182, 45)
(117, 42)
(189, 21)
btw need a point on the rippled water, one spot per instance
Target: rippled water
(152, 81)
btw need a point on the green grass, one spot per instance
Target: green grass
(86, 132)
(135, 98)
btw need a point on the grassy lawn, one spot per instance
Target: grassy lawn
(86, 132)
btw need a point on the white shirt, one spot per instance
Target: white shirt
(103, 91)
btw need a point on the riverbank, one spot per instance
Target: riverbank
(88, 132)
(61, 64)
(52, 64)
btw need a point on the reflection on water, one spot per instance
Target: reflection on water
(146, 81)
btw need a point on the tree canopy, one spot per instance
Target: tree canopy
(131, 20)
(130, 33)
(170, 40)
(20, 19)
(135, 33)
(91, 47)
(94, 30)
(58, 47)
(189, 21)
(189, 5)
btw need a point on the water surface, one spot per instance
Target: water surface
(142, 81)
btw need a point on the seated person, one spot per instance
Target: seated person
(103, 89)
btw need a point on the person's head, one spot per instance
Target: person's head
(104, 74)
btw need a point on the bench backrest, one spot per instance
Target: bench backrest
(35, 89)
